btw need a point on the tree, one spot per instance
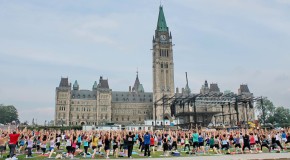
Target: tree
(265, 109)
(8, 114)
(281, 115)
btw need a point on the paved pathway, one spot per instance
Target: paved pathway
(261, 156)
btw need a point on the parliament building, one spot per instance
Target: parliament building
(102, 105)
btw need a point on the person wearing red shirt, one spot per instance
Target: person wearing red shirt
(12, 143)
(152, 143)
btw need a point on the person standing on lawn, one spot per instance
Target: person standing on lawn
(107, 140)
(3, 140)
(152, 141)
(130, 143)
(29, 146)
(147, 144)
(195, 140)
(13, 141)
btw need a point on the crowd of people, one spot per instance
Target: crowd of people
(121, 142)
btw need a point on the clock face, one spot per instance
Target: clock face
(163, 37)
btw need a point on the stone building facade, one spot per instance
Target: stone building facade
(101, 105)
(79, 107)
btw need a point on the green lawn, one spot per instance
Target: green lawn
(156, 154)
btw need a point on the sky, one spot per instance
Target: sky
(229, 42)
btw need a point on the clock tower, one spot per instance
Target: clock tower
(163, 67)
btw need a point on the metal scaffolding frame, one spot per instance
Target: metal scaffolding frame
(190, 100)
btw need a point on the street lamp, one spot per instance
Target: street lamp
(263, 111)
(155, 117)
(61, 123)
(163, 105)
(163, 109)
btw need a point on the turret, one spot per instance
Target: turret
(95, 86)
(76, 85)
(137, 87)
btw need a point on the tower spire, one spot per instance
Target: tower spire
(161, 23)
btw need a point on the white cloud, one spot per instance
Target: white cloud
(224, 42)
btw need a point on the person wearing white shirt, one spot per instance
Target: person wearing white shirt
(277, 136)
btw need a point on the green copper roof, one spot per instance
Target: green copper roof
(95, 86)
(161, 24)
(76, 85)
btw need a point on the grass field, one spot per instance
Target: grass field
(138, 154)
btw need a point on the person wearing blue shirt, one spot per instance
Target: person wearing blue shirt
(79, 142)
(237, 142)
(201, 143)
(147, 144)
(86, 146)
(284, 137)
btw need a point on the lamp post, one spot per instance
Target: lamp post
(223, 114)
(163, 105)
(155, 117)
(188, 115)
(229, 104)
(163, 109)
(61, 124)
(237, 109)
(194, 110)
(263, 111)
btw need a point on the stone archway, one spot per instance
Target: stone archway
(83, 123)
